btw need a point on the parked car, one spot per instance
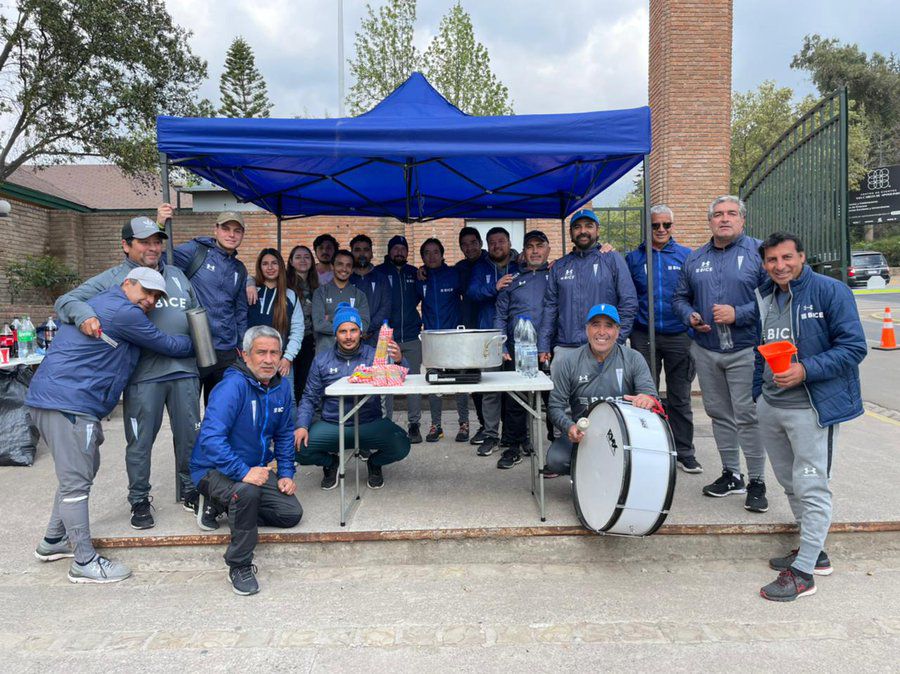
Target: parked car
(864, 264)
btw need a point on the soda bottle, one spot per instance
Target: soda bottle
(526, 348)
(50, 331)
(7, 340)
(25, 336)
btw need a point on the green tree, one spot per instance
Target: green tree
(88, 78)
(459, 67)
(385, 54)
(241, 86)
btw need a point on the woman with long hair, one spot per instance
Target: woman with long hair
(304, 283)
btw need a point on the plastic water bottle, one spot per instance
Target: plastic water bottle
(525, 340)
(27, 345)
(725, 341)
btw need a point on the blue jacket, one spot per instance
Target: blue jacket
(578, 281)
(404, 317)
(727, 275)
(830, 344)
(243, 419)
(377, 290)
(482, 287)
(667, 265)
(440, 293)
(219, 285)
(468, 314)
(525, 295)
(84, 375)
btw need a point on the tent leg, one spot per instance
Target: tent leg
(648, 243)
(164, 180)
(278, 232)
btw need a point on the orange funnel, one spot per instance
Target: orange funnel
(778, 355)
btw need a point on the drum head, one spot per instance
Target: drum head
(601, 468)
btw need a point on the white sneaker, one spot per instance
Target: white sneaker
(98, 570)
(50, 552)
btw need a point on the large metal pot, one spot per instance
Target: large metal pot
(462, 349)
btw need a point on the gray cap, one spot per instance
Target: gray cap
(141, 227)
(150, 279)
(230, 216)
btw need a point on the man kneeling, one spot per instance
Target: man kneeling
(248, 411)
(317, 443)
(600, 370)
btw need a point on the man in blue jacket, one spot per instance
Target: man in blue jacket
(249, 412)
(406, 322)
(317, 444)
(716, 297)
(800, 408)
(373, 284)
(78, 384)
(673, 344)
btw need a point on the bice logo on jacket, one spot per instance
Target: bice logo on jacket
(568, 276)
(278, 410)
(705, 266)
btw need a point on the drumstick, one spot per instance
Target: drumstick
(583, 424)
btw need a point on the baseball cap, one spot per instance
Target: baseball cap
(584, 213)
(230, 216)
(604, 310)
(536, 234)
(150, 279)
(141, 227)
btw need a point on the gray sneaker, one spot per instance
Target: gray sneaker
(98, 570)
(50, 552)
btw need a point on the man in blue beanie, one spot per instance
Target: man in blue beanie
(317, 443)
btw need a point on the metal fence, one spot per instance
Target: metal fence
(800, 186)
(621, 226)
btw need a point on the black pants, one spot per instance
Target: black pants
(302, 363)
(249, 507)
(674, 353)
(476, 400)
(210, 376)
(515, 418)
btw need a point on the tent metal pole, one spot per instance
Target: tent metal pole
(164, 179)
(648, 246)
(278, 225)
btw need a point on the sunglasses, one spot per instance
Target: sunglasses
(657, 225)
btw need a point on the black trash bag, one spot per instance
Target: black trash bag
(18, 436)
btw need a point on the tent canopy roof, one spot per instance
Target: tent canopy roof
(414, 157)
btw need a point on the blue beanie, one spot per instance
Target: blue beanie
(345, 314)
(395, 240)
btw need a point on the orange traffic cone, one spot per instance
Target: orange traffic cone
(888, 339)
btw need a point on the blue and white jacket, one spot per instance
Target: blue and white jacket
(667, 265)
(483, 287)
(404, 317)
(240, 424)
(525, 295)
(440, 293)
(578, 281)
(85, 375)
(377, 290)
(830, 343)
(727, 275)
(468, 313)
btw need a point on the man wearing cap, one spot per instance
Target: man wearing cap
(673, 344)
(78, 384)
(329, 296)
(801, 408)
(406, 322)
(160, 381)
(219, 280)
(317, 443)
(583, 278)
(523, 296)
(373, 284)
(602, 369)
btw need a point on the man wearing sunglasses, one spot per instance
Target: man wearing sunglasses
(673, 345)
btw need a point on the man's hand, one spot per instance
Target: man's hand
(91, 327)
(258, 475)
(544, 356)
(506, 356)
(504, 281)
(698, 324)
(575, 434)
(723, 313)
(642, 400)
(164, 212)
(422, 273)
(284, 366)
(301, 438)
(394, 351)
(794, 376)
(287, 486)
(252, 295)
(607, 248)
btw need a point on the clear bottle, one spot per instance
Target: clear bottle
(526, 347)
(26, 341)
(725, 341)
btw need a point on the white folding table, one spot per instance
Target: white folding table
(15, 362)
(526, 391)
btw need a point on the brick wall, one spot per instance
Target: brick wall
(25, 232)
(690, 96)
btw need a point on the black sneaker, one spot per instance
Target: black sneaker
(207, 514)
(823, 564)
(329, 479)
(788, 586)
(463, 433)
(191, 501)
(243, 579)
(487, 447)
(376, 479)
(141, 517)
(527, 449)
(434, 434)
(415, 436)
(725, 485)
(364, 454)
(509, 458)
(479, 436)
(756, 497)
(689, 464)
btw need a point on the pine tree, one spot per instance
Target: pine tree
(242, 87)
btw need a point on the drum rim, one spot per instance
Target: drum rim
(670, 495)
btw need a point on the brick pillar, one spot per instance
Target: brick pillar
(690, 96)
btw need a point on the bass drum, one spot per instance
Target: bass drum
(623, 472)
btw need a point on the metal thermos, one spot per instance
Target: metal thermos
(198, 324)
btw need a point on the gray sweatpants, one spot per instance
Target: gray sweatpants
(142, 411)
(726, 381)
(74, 441)
(412, 351)
(801, 452)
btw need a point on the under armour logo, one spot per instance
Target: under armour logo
(333, 370)
(211, 267)
(809, 470)
(583, 378)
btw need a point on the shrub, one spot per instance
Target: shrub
(46, 274)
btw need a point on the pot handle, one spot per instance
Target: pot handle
(487, 345)
(460, 327)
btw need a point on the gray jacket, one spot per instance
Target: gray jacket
(168, 316)
(325, 301)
